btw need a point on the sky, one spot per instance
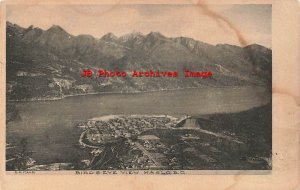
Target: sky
(215, 24)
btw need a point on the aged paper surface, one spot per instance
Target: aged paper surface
(150, 133)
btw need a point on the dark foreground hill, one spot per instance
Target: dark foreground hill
(253, 127)
(46, 64)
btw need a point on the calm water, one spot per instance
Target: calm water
(50, 128)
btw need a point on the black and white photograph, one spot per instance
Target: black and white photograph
(151, 88)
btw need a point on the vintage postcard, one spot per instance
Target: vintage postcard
(204, 92)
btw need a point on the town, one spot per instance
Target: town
(140, 142)
(144, 151)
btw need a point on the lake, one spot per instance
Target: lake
(50, 126)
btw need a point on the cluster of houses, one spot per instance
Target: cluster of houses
(123, 126)
(146, 151)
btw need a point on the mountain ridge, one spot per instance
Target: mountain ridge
(57, 27)
(56, 58)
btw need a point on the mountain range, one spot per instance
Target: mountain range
(46, 64)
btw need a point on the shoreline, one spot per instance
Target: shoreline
(106, 118)
(127, 92)
(84, 144)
